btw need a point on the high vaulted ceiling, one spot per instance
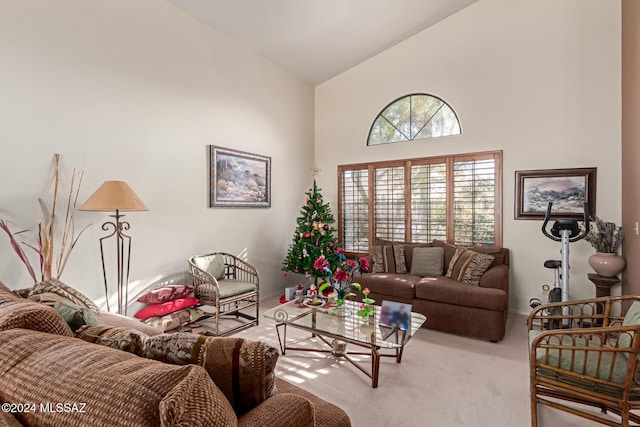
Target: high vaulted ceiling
(319, 39)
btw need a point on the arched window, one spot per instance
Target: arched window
(411, 117)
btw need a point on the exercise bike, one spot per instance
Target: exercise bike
(566, 231)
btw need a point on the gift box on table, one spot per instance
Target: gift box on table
(290, 292)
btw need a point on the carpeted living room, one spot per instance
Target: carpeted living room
(414, 138)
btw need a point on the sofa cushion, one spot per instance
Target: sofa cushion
(166, 293)
(632, 318)
(243, 369)
(165, 308)
(76, 316)
(408, 250)
(113, 319)
(55, 286)
(383, 260)
(120, 338)
(448, 248)
(174, 320)
(604, 365)
(212, 264)
(468, 266)
(397, 285)
(16, 312)
(445, 290)
(398, 257)
(427, 262)
(116, 388)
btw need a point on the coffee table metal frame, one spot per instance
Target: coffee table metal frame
(371, 336)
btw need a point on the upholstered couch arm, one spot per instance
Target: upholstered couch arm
(283, 410)
(496, 277)
(7, 420)
(244, 370)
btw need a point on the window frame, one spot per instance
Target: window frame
(414, 137)
(449, 160)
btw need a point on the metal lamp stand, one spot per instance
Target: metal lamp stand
(123, 259)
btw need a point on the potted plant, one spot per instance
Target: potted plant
(606, 238)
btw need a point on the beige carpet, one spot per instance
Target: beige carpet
(443, 380)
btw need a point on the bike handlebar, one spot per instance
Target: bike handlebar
(581, 235)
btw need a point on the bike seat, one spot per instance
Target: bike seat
(553, 263)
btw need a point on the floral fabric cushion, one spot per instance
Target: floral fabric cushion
(166, 293)
(468, 266)
(54, 286)
(244, 370)
(120, 338)
(398, 257)
(165, 308)
(174, 320)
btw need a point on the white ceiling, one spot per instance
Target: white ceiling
(319, 39)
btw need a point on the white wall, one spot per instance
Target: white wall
(135, 91)
(538, 79)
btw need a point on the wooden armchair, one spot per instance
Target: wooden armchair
(590, 358)
(228, 284)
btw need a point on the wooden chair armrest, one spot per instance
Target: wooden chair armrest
(604, 311)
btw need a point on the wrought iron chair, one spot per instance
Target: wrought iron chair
(593, 360)
(228, 284)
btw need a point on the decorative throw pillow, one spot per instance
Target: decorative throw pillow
(124, 339)
(378, 260)
(75, 315)
(166, 293)
(631, 318)
(173, 321)
(244, 370)
(383, 261)
(398, 256)
(468, 266)
(57, 287)
(212, 264)
(165, 308)
(427, 261)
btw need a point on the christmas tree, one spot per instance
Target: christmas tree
(314, 236)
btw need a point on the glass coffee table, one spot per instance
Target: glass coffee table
(337, 330)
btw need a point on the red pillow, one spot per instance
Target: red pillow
(164, 308)
(166, 293)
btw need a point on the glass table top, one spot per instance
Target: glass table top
(352, 327)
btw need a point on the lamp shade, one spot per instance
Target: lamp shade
(114, 195)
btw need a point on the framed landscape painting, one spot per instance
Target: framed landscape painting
(238, 179)
(567, 189)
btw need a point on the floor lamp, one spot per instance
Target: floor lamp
(116, 196)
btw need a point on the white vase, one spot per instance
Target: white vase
(606, 264)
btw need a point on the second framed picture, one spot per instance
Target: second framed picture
(567, 189)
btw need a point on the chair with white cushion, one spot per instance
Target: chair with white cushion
(228, 284)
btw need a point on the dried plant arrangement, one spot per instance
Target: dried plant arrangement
(45, 247)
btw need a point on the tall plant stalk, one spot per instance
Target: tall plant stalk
(45, 247)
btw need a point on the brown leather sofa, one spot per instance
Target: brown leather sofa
(130, 374)
(450, 305)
